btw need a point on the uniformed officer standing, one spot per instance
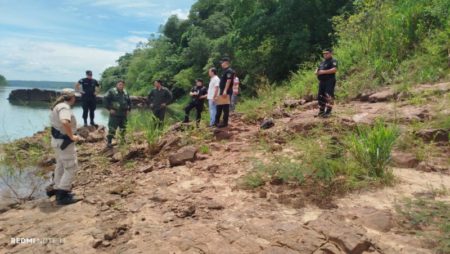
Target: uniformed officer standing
(198, 94)
(326, 73)
(225, 90)
(158, 99)
(63, 140)
(118, 103)
(88, 88)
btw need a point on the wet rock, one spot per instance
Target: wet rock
(436, 135)
(404, 160)
(182, 156)
(385, 95)
(267, 124)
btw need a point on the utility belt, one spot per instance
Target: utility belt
(56, 134)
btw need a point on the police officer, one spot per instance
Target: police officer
(118, 103)
(88, 89)
(198, 94)
(326, 73)
(158, 99)
(63, 140)
(225, 91)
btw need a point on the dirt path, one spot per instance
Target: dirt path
(197, 208)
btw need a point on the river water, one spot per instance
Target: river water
(19, 120)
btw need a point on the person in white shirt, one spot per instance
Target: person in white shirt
(213, 90)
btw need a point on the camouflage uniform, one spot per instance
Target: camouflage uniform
(120, 102)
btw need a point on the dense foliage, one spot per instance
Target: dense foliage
(266, 39)
(3, 81)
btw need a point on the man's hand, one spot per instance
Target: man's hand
(75, 138)
(163, 105)
(112, 111)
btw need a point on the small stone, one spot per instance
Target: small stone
(146, 169)
(215, 206)
(96, 243)
(267, 124)
(106, 243)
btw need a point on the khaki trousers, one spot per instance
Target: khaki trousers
(66, 165)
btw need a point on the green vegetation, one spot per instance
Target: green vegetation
(429, 219)
(355, 160)
(144, 125)
(371, 147)
(3, 81)
(387, 42)
(266, 40)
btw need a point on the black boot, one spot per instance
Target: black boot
(85, 122)
(186, 119)
(109, 142)
(50, 191)
(64, 197)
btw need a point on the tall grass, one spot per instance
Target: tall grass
(372, 146)
(144, 122)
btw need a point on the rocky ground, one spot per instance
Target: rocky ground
(179, 198)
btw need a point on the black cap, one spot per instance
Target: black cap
(89, 73)
(327, 50)
(225, 59)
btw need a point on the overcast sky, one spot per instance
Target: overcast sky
(57, 40)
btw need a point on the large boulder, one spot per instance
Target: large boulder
(183, 155)
(385, 95)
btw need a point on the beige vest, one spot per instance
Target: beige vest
(62, 111)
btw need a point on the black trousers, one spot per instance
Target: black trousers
(160, 113)
(89, 106)
(326, 94)
(198, 107)
(226, 113)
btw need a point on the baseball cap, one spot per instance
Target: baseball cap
(327, 50)
(68, 92)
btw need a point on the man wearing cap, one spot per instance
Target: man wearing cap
(88, 88)
(225, 91)
(326, 73)
(118, 103)
(198, 93)
(63, 140)
(158, 99)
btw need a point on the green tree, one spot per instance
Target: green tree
(3, 81)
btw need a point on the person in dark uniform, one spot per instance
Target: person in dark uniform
(225, 90)
(326, 73)
(88, 88)
(198, 94)
(158, 99)
(118, 103)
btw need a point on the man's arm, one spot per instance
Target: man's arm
(68, 129)
(107, 100)
(227, 86)
(330, 71)
(168, 96)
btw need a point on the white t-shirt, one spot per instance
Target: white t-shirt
(213, 83)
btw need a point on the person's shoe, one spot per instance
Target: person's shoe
(320, 114)
(64, 197)
(326, 115)
(50, 191)
(109, 145)
(94, 124)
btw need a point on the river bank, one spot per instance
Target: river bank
(185, 193)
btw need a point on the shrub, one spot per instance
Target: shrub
(371, 147)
